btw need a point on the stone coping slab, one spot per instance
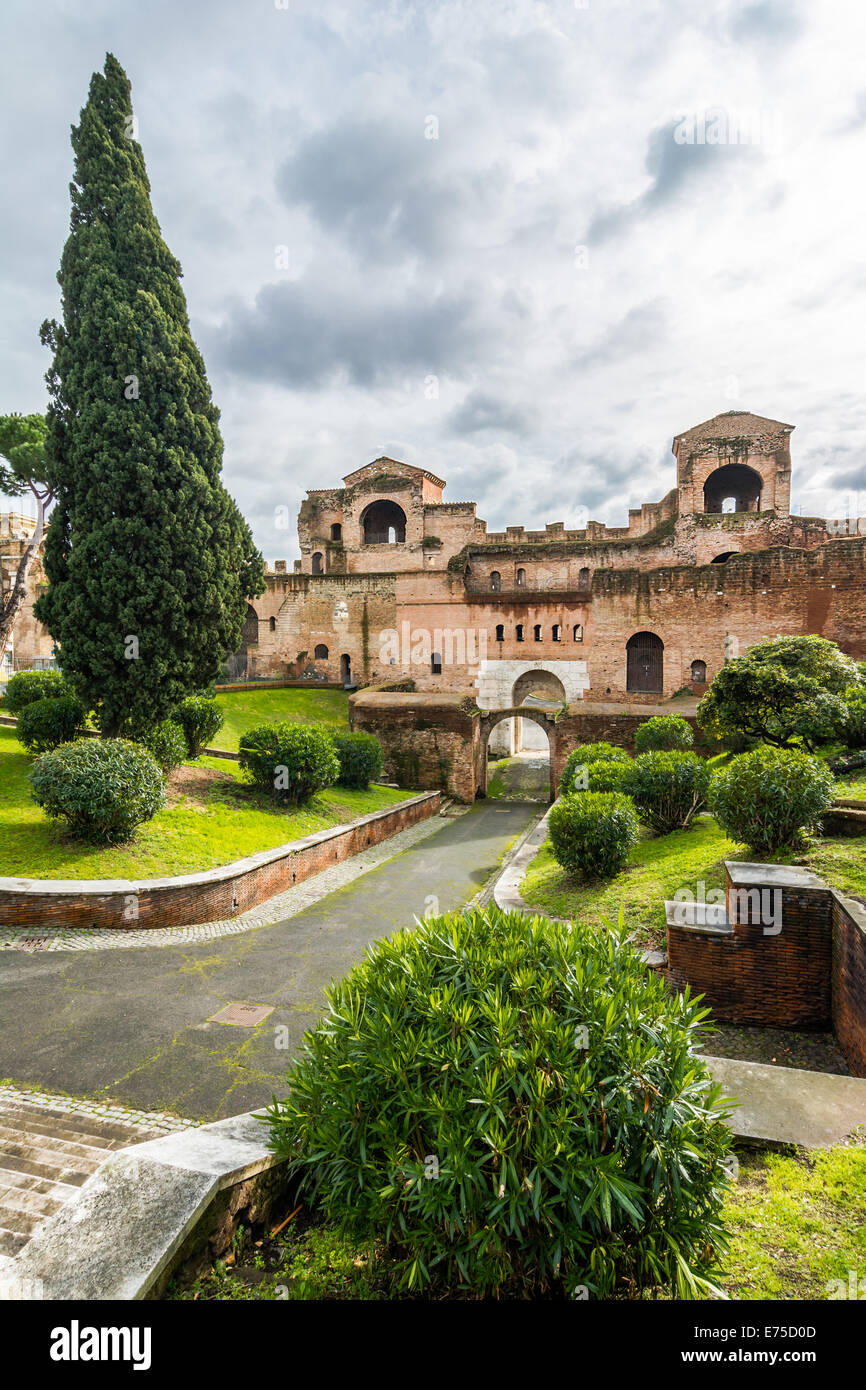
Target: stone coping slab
(743, 874)
(711, 918)
(117, 1235)
(783, 1105)
(78, 886)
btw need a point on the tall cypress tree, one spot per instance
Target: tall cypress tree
(148, 559)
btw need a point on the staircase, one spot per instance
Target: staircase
(45, 1156)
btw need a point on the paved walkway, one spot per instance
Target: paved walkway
(135, 1026)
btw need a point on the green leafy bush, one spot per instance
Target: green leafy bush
(103, 788)
(26, 687)
(167, 743)
(584, 755)
(669, 788)
(592, 833)
(513, 1107)
(290, 761)
(200, 719)
(662, 733)
(361, 759)
(854, 725)
(602, 776)
(47, 723)
(768, 797)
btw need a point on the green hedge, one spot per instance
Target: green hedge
(200, 720)
(668, 789)
(361, 759)
(663, 733)
(47, 723)
(513, 1107)
(167, 742)
(103, 788)
(289, 761)
(768, 797)
(26, 687)
(593, 833)
(585, 755)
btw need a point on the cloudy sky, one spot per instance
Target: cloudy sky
(521, 244)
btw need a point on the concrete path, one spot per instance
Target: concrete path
(135, 1026)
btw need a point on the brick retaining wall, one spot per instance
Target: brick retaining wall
(849, 980)
(214, 895)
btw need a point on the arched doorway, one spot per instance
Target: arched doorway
(645, 664)
(538, 690)
(536, 775)
(733, 488)
(383, 523)
(240, 665)
(346, 669)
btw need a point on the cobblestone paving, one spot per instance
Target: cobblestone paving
(121, 1114)
(276, 909)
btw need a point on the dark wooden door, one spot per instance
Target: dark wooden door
(645, 663)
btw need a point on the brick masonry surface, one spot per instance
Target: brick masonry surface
(217, 895)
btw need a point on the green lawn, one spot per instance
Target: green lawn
(244, 709)
(216, 817)
(796, 1224)
(660, 865)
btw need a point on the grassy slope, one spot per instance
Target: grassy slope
(659, 866)
(244, 709)
(213, 822)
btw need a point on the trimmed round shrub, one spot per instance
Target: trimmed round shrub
(768, 797)
(584, 755)
(361, 759)
(602, 776)
(290, 761)
(592, 833)
(513, 1107)
(200, 719)
(26, 687)
(103, 788)
(669, 788)
(663, 733)
(167, 743)
(47, 723)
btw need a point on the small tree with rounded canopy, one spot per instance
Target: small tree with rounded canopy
(784, 692)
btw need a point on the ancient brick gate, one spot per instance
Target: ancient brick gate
(545, 718)
(440, 741)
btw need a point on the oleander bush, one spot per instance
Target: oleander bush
(663, 733)
(200, 719)
(361, 759)
(102, 788)
(26, 687)
(769, 797)
(47, 723)
(593, 833)
(602, 776)
(585, 755)
(290, 761)
(668, 789)
(513, 1107)
(853, 731)
(167, 743)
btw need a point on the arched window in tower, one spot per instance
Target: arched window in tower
(320, 653)
(735, 487)
(317, 562)
(500, 632)
(699, 672)
(583, 579)
(578, 632)
(521, 579)
(272, 624)
(495, 581)
(383, 523)
(436, 664)
(336, 531)
(536, 632)
(557, 632)
(518, 633)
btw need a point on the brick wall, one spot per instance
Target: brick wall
(849, 980)
(217, 895)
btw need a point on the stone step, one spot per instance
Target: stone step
(50, 1143)
(45, 1167)
(21, 1223)
(20, 1199)
(10, 1244)
(75, 1124)
(26, 1182)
